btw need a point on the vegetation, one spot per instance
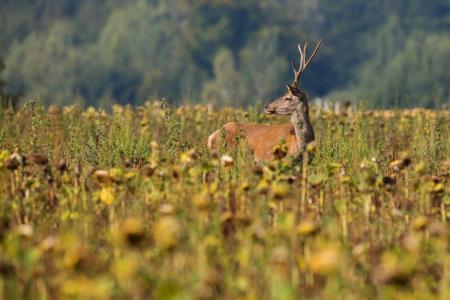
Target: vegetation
(132, 205)
(106, 193)
(227, 52)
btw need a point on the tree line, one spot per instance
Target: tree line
(386, 53)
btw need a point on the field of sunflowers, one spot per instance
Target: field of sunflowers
(130, 204)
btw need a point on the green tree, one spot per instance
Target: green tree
(143, 52)
(262, 70)
(41, 65)
(224, 88)
(416, 75)
(130, 50)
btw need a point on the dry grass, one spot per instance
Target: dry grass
(131, 205)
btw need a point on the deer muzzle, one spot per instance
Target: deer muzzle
(269, 110)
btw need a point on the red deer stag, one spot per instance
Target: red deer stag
(264, 138)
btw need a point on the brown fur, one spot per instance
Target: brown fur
(261, 138)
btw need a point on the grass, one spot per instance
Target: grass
(132, 205)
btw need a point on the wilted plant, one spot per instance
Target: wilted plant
(133, 205)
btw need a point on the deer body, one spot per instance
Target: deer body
(263, 138)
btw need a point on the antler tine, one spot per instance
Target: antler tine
(298, 72)
(304, 56)
(293, 66)
(303, 62)
(314, 53)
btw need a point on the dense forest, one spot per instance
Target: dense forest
(386, 53)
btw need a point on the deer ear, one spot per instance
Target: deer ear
(291, 89)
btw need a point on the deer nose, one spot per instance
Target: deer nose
(267, 110)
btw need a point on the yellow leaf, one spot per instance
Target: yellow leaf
(167, 232)
(107, 195)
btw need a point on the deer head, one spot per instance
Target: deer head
(295, 98)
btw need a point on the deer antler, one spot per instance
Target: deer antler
(303, 62)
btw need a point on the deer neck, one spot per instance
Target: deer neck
(304, 131)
